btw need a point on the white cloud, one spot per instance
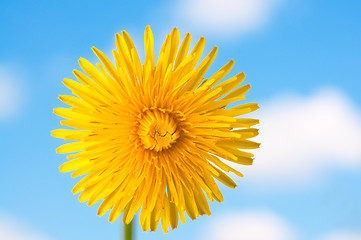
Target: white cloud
(343, 235)
(227, 16)
(260, 224)
(11, 229)
(249, 225)
(303, 138)
(11, 94)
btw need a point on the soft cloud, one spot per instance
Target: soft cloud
(304, 137)
(11, 229)
(11, 94)
(343, 235)
(249, 225)
(227, 16)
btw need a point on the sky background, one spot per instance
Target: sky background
(302, 58)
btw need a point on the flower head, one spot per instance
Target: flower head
(154, 138)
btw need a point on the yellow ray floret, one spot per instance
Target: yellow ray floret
(154, 137)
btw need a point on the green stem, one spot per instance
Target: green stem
(128, 231)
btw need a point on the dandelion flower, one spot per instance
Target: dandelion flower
(154, 137)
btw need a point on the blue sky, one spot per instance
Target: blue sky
(302, 59)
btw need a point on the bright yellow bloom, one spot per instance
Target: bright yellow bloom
(152, 136)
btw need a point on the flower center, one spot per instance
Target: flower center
(157, 130)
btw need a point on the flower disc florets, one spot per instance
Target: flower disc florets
(158, 129)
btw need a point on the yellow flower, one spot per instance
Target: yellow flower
(154, 138)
